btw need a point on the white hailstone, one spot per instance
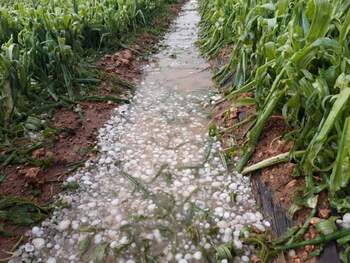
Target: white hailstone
(186, 193)
(51, 260)
(339, 221)
(151, 207)
(216, 184)
(228, 231)
(36, 231)
(57, 247)
(182, 261)
(75, 225)
(216, 195)
(113, 244)
(197, 255)
(64, 225)
(186, 206)
(224, 261)
(226, 238)
(124, 240)
(157, 235)
(111, 153)
(245, 259)
(200, 204)
(251, 201)
(115, 202)
(28, 248)
(130, 261)
(239, 198)
(220, 178)
(178, 256)
(84, 219)
(98, 239)
(260, 227)
(191, 188)
(144, 177)
(222, 169)
(238, 244)
(95, 222)
(87, 182)
(67, 200)
(222, 224)
(223, 196)
(346, 218)
(226, 215)
(177, 183)
(112, 234)
(92, 204)
(123, 223)
(188, 256)
(239, 226)
(38, 243)
(71, 179)
(207, 246)
(85, 178)
(292, 253)
(219, 211)
(149, 172)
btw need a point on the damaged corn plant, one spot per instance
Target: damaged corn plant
(292, 58)
(45, 49)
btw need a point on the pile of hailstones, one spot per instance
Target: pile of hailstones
(223, 219)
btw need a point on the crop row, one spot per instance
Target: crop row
(44, 45)
(293, 58)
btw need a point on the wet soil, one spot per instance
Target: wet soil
(77, 137)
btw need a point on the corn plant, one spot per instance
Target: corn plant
(293, 57)
(44, 44)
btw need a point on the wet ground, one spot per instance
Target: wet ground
(160, 190)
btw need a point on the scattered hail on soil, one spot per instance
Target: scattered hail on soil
(159, 189)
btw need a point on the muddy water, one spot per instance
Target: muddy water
(160, 190)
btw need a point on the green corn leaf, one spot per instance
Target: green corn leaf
(321, 19)
(99, 253)
(344, 31)
(326, 227)
(84, 245)
(304, 57)
(324, 129)
(341, 170)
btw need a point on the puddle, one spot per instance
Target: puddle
(159, 191)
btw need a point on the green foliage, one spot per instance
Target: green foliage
(20, 211)
(43, 46)
(71, 186)
(293, 57)
(225, 251)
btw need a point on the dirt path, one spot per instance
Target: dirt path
(159, 189)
